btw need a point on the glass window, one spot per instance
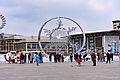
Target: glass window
(28, 46)
(34, 46)
(38, 46)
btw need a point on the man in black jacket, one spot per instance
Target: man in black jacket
(108, 57)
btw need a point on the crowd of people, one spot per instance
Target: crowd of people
(57, 57)
(100, 57)
(37, 57)
(22, 57)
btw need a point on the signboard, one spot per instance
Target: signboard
(2, 57)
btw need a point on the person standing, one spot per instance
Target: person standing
(79, 61)
(103, 56)
(98, 55)
(108, 57)
(50, 57)
(21, 58)
(29, 57)
(71, 57)
(55, 58)
(37, 59)
(58, 57)
(62, 57)
(111, 56)
(9, 59)
(93, 56)
(32, 57)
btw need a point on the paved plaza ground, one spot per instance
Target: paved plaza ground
(60, 71)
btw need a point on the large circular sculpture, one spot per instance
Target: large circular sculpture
(58, 18)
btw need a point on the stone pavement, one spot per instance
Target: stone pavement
(60, 71)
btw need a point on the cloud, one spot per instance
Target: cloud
(100, 5)
(29, 15)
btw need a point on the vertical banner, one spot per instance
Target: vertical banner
(114, 46)
(77, 47)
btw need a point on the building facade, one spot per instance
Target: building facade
(7, 42)
(100, 40)
(30, 43)
(107, 40)
(103, 40)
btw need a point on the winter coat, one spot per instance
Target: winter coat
(37, 59)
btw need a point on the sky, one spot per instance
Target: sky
(25, 17)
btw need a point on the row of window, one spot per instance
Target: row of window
(35, 46)
(32, 46)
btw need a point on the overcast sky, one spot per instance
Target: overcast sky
(25, 17)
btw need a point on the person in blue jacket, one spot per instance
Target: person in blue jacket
(37, 59)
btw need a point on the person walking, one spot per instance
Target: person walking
(37, 59)
(79, 59)
(76, 56)
(108, 57)
(93, 56)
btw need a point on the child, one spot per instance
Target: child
(37, 59)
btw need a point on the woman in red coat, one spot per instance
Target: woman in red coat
(78, 60)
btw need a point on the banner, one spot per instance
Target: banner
(2, 57)
(77, 47)
(115, 47)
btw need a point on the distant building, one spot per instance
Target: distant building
(7, 42)
(30, 43)
(106, 40)
(15, 42)
(116, 24)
